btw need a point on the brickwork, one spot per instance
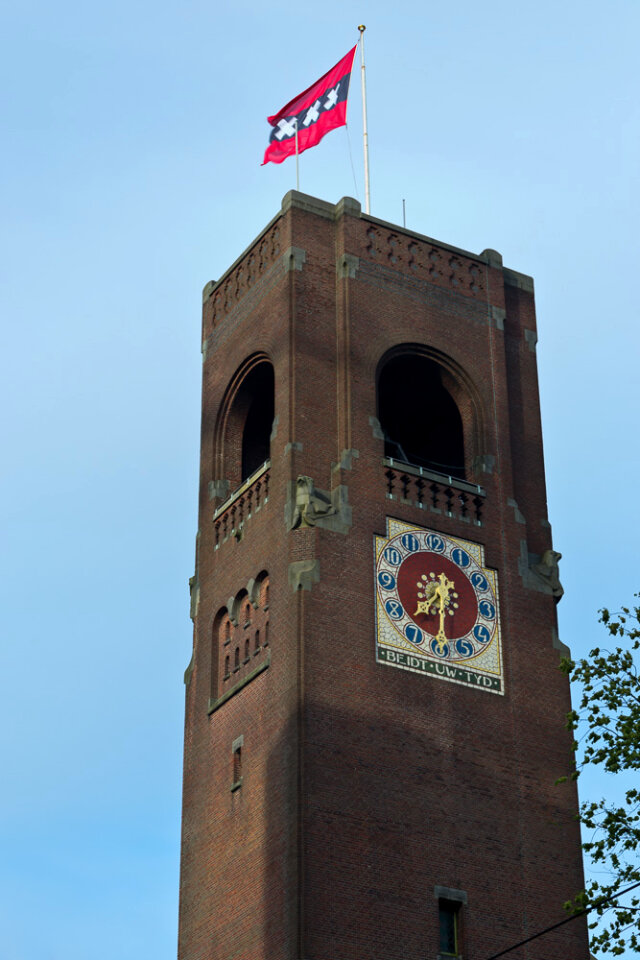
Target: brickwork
(363, 787)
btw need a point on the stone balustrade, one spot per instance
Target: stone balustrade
(230, 517)
(434, 492)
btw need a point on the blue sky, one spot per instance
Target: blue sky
(130, 176)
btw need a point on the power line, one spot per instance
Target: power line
(598, 903)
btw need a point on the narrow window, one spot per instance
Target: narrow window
(256, 646)
(246, 650)
(227, 631)
(236, 750)
(449, 913)
(226, 668)
(236, 662)
(266, 634)
(247, 614)
(237, 765)
(266, 596)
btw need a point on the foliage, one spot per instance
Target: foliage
(607, 734)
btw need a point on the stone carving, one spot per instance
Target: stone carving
(548, 572)
(307, 506)
(311, 504)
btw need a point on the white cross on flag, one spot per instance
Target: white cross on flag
(321, 108)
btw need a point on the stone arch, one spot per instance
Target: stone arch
(245, 421)
(429, 411)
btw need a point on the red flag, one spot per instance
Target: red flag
(321, 108)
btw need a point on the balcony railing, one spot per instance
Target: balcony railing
(434, 492)
(230, 517)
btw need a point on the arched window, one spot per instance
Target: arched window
(418, 415)
(247, 613)
(256, 436)
(256, 646)
(236, 660)
(262, 595)
(220, 631)
(245, 422)
(246, 650)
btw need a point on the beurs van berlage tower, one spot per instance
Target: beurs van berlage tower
(374, 709)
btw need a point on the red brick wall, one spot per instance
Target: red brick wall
(365, 786)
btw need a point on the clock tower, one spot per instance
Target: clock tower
(374, 709)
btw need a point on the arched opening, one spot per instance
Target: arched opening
(420, 419)
(220, 633)
(256, 435)
(245, 422)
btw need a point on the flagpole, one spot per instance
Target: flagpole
(297, 160)
(365, 134)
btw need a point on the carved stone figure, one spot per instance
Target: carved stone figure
(548, 571)
(311, 504)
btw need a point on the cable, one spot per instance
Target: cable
(353, 169)
(598, 903)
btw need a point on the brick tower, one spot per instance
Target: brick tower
(374, 711)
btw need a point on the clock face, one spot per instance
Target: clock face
(437, 606)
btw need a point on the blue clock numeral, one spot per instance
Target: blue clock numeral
(410, 542)
(461, 557)
(413, 633)
(386, 580)
(479, 582)
(487, 609)
(440, 651)
(394, 609)
(481, 633)
(392, 556)
(435, 543)
(464, 647)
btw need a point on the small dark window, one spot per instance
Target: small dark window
(266, 634)
(237, 765)
(247, 613)
(226, 668)
(257, 642)
(449, 927)
(236, 751)
(236, 662)
(246, 650)
(227, 631)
